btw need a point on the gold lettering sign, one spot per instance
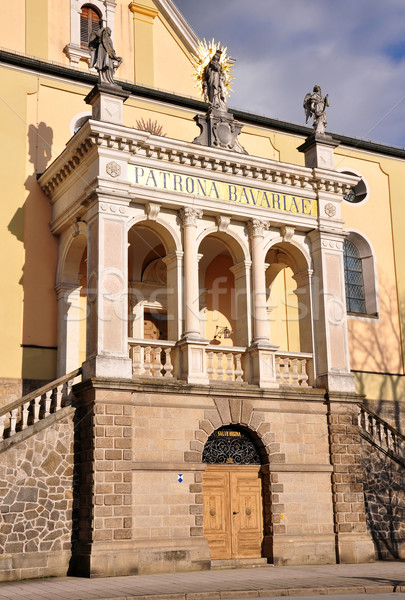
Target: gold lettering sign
(229, 433)
(219, 190)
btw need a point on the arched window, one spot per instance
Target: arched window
(89, 22)
(354, 282)
(360, 276)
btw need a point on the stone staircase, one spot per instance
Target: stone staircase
(382, 435)
(38, 408)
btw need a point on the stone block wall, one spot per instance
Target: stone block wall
(353, 539)
(384, 493)
(36, 501)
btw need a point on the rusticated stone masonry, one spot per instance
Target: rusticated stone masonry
(36, 496)
(384, 491)
(347, 478)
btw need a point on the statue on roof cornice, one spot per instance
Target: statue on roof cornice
(212, 68)
(102, 55)
(315, 105)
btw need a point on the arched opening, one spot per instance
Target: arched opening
(153, 301)
(288, 284)
(71, 291)
(233, 494)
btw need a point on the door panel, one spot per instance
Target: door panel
(233, 522)
(247, 526)
(217, 522)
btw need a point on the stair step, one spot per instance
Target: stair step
(239, 563)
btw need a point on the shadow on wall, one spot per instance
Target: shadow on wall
(376, 348)
(384, 495)
(30, 225)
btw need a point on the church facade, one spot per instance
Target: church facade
(202, 353)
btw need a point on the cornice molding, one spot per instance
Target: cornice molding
(143, 144)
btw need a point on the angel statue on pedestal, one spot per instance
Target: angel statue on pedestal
(315, 105)
(102, 55)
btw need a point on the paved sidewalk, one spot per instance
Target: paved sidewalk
(265, 581)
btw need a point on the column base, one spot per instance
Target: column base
(193, 361)
(107, 366)
(116, 559)
(263, 365)
(354, 549)
(337, 382)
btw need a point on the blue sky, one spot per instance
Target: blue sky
(353, 49)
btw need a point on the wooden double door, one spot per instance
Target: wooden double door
(233, 511)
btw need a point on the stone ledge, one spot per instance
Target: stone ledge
(170, 466)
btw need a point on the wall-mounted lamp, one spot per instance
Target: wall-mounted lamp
(222, 331)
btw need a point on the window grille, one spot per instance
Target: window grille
(354, 282)
(89, 22)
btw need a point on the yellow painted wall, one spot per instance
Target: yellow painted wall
(12, 25)
(283, 312)
(219, 305)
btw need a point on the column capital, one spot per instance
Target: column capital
(256, 227)
(189, 216)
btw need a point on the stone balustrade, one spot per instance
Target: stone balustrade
(224, 363)
(291, 368)
(151, 358)
(381, 434)
(37, 405)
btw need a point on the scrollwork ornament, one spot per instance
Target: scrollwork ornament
(330, 209)
(190, 216)
(236, 448)
(113, 169)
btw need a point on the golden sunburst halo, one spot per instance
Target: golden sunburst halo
(200, 60)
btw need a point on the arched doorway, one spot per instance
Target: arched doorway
(232, 494)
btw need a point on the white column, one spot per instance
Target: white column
(262, 353)
(107, 282)
(174, 262)
(261, 328)
(68, 330)
(189, 218)
(193, 359)
(329, 310)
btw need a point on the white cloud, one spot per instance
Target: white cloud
(284, 47)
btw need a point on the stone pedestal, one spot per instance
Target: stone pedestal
(107, 103)
(219, 130)
(262, 365)
(193, 361)
(319, 151)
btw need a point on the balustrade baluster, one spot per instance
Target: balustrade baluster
(220, 370)
(168, 363)
(229, 367)
(37, 408)
(286, 374)
(13, 421)
(238, 368)
(157, 364)
(58, 397)
(2, 424)
(210, 365)
(294, 373)
(24, 415)
(47, 403)
(278, 368)
(147, 365)
(304, 374)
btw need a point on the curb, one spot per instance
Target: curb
(291, 592)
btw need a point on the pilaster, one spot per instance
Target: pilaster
(329, 313)
(107, 276)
